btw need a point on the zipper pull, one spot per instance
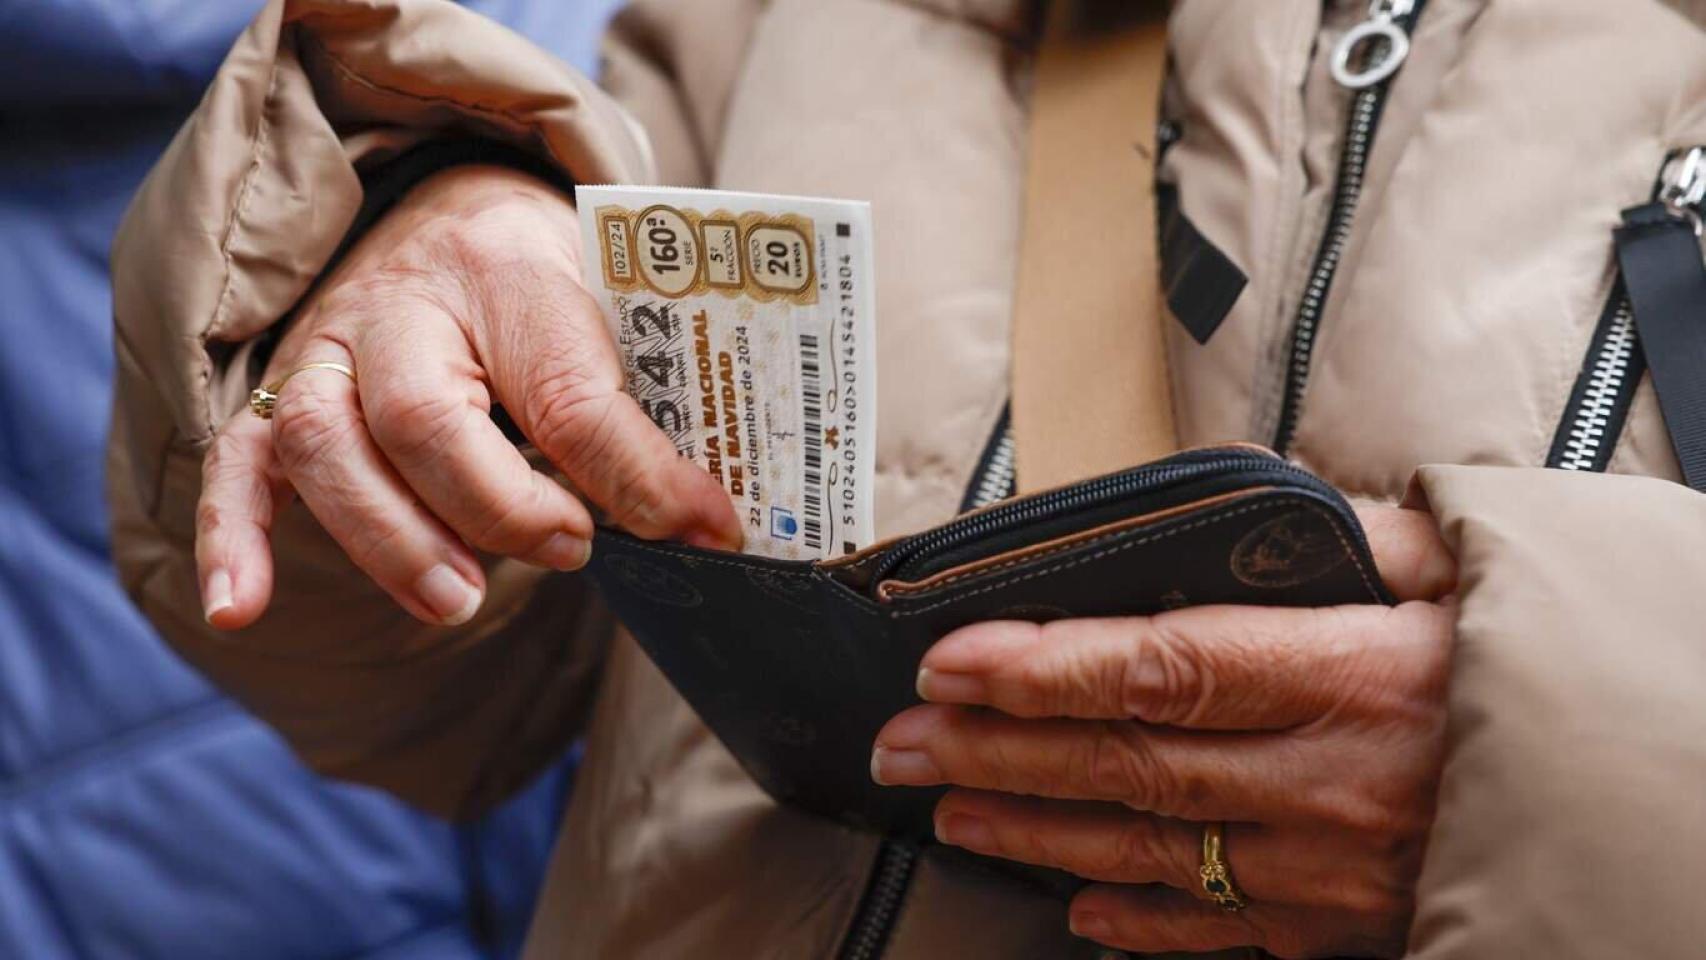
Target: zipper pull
(1683, 188)
(1658, 247)
(1380, 61)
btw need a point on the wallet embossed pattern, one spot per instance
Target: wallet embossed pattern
(796, 666)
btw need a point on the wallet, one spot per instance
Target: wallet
(795, 666)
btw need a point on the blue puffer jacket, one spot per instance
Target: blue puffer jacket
(142, 815)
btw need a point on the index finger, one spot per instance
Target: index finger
(560, 376)
(1205, 668)
(233, 548)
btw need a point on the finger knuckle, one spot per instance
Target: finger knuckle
(1141, 853)
(581, 430)
(1120, 765)
(1050, 677)
(1377, 800)
(1160, 683)
(574, 423)
(211, 518)
(1035, 844)
(482, 243)
(1357, 804)
(370, 546)
(416, 422)
(995, 762)
(308, 426)
(224, 458)
(1368, 897)
(504, 523)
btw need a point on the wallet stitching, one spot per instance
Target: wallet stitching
(1362, 571)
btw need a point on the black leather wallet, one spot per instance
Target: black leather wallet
(796, 666)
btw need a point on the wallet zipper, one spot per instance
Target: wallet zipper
(1090, 494)
(1388, 28)
(1598, 409)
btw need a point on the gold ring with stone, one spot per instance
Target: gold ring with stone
(263, 398)
(1217, 879)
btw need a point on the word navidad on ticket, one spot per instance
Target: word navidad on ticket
(747, 325)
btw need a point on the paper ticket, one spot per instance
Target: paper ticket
(747, 329)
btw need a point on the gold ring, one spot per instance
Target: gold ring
(1217, 879)
(263, 398)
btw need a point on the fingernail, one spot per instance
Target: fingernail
(1089, 926)
(565, 552)
(903, 768)
(216, 595)
(451, 598)
(938, 687)
(965, 830)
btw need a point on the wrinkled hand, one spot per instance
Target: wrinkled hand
(1317, 734)
(468, 292)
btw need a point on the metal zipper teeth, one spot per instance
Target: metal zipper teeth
(1089, 494)
(892, 875)
(890, 880)
(1600, 404)
(1366, 111)
(995, 480)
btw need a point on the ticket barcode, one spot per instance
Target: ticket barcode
(811, 403)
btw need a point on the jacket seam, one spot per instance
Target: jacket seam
(257, 146)
(352, 75)
(148, 739)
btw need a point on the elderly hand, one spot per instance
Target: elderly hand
(466, 293)
(1102, 747)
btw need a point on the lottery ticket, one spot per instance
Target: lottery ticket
(746, 325)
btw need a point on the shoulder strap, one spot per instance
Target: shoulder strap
(1090, 386)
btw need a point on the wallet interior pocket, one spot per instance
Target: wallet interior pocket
(889, 590)
(1191, 480)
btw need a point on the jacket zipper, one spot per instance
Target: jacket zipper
(997, 468)
(890, 879)
(1594, 418)
(891, 876)
(1383, 44)
(1588, 433)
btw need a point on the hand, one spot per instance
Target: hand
(468, 292)
(1317, 734)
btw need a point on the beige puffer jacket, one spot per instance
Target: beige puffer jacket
(1471, 281)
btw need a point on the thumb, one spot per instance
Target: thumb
(1409, 552)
